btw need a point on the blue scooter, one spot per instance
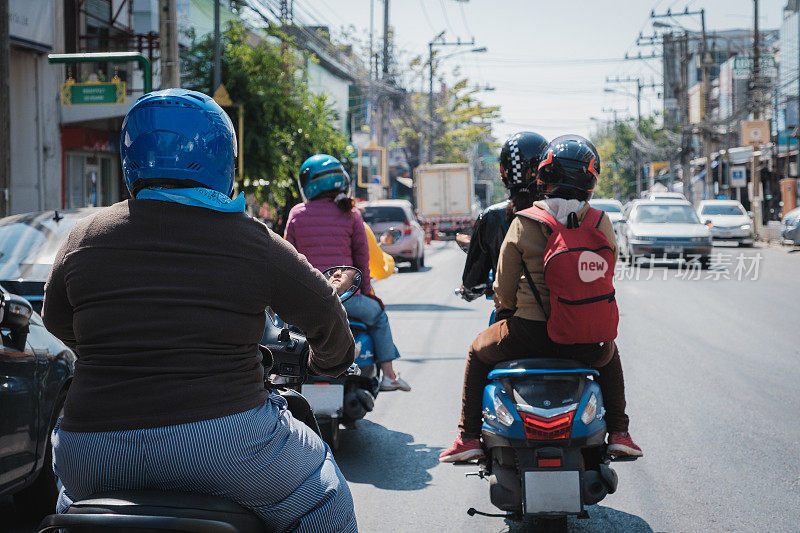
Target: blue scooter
(544, 440)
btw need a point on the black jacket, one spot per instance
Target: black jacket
(484, 248)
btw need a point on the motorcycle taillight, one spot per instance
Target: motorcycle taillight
(553, 428)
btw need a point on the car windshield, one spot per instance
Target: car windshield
(28, 244)
(383, 213)
(730, 209)
(665, 214)
(608, 207)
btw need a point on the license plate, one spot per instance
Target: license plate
(326, 399)
(673, 249)
(553, 492)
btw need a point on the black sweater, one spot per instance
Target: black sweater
(164, 305)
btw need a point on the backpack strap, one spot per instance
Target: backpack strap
(593, 218)
(533, 288)
(540, 215)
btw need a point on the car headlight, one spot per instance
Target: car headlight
(641, 238)
(701, 239)
(590, 410)
(745, 226)
(504, 416)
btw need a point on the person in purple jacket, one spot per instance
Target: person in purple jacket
(329, 231)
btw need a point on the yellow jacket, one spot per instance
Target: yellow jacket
(381, 264)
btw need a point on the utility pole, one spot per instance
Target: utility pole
(217, 50)
(5, 109)
(384, 101)
(686, 132)
(705, 62)
(639, 86)
(755, 97)
(168, 44)
(438, 41)
(384, 73)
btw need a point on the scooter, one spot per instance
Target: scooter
(285, 357)
(341, 401)
(544, 441)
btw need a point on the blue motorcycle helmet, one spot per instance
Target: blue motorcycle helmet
(177, 138)
(322, 173)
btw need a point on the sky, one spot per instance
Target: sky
(547, 60)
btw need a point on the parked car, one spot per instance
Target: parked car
(664, 229)
(28, 246)
(728, 221)
(35, 371)
(613, 208)
(405, 238)
(666, 196)
(790, 232)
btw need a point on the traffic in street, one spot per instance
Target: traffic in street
(366, 265)
(710, 371)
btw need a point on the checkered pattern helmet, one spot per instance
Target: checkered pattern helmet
(520, 157)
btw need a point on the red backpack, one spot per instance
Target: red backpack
(579, 271)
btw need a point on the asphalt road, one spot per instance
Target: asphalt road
(711, 365)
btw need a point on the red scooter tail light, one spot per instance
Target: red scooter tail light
(548, 463)
(541, 428)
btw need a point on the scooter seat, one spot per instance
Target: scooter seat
(543, 364)
(169, 504)
(355, 324)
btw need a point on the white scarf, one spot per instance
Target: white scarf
(561, 208)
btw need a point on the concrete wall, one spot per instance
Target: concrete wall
(35, 138)
(337, 91)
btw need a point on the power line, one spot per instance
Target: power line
(425, 13)
(446, 18)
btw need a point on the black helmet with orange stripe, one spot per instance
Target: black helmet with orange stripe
(520, 158)
(569, 168)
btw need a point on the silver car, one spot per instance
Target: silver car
(728, 221)
(404, 238)
(790, 231)
(664, 230)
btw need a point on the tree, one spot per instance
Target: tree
(623, 148)
(284, 122)
(460, 121)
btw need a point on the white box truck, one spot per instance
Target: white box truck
(444, 195)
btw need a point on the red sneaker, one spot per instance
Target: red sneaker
(462, 450)
(622, 444)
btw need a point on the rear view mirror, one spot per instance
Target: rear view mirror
(345, 279)
(16, 317)
(750, 214)
(16, 313)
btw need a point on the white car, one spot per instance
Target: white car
(613, 208)
(406, 238)
(666, 196)
(728, 221)
(664, 230)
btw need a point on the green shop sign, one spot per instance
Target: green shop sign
(93, 93)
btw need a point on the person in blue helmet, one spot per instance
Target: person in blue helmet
(329, 231)
(163, 298)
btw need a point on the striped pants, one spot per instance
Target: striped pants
(263, 459)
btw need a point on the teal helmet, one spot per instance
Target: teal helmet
(322, 173)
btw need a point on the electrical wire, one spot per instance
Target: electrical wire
(446, 18)
(425, 13)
